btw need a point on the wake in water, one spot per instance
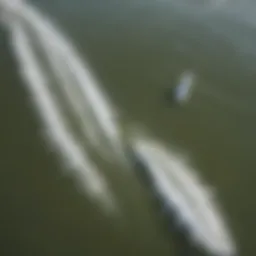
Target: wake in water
(183, 196)
(178, 188)
(56, 124)
(67, 63)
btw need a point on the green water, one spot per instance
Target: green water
(137, 50)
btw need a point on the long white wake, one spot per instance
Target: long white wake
(56, 125)
(181, 191)
(104, 113)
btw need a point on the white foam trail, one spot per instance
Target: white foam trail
(68, 85)
(105, 114)
(182, 192)
(73, 154)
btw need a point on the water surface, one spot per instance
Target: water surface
(137, 48)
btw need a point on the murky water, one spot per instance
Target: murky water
(137, 49)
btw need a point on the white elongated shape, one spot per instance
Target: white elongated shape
(60, 135)
(67, 84)
(182, 192)
(105, 114)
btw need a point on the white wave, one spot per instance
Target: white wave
(62, 49)
(56, 125)
(68, 85)
(182, 192)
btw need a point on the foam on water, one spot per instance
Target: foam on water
(184, 193)
(56, 125)
(105, 114)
